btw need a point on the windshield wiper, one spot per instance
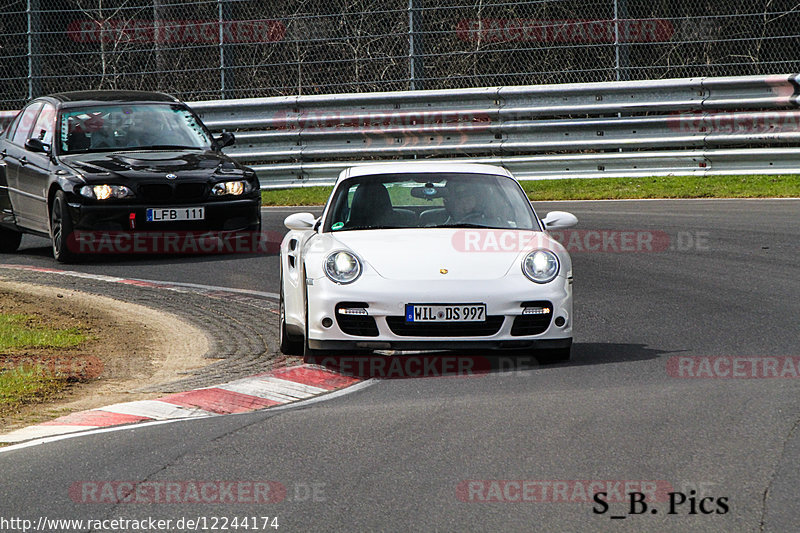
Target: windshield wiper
(373, 227)
(464, 225)
(130, 149)
(162, 147)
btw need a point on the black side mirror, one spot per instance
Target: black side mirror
(36, 145)
(225, 139)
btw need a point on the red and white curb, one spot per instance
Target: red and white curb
(283, 386)
(209, 290)
(278, 387)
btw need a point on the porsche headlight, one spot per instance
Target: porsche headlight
(104, 192)
(233, 188)
(342, 267)
(540, 266)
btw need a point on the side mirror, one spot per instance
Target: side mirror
(300, 221)
(559, 220)
(226, 138)
(36, 145)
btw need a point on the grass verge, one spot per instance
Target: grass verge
(23, 331)
(26, 383)
(751, 186)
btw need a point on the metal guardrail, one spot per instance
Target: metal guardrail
(695, 126)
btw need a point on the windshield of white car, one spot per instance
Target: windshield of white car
(111, 128)
(429, 200)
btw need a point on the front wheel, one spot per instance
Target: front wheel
(288, 345)
(61, 229)
(9, 240)
(309, 354)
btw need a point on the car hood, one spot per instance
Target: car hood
(424, 253)
(151, 164)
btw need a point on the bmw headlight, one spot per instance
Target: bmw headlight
(104, 192)
(342, 267)
(233, 188)
(540, 266)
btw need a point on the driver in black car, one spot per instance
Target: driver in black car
(149, 129)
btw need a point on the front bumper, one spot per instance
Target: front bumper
(503, 297)
(223, 215)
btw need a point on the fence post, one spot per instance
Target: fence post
(415, 62)
(620, 49)
(34, 49)
(157, 40)
(226, 53)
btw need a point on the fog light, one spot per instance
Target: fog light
(352, 311)
(536, 311)
(560, 321)
(327, 322)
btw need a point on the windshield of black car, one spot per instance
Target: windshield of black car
(130, 127)
(429, 200)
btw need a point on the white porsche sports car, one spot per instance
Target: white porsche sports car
(421, 256)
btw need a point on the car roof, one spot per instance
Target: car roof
(420, 167)
(76, 98)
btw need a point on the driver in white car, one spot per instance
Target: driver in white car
(463, 204)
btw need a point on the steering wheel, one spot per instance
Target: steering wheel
(473, 217)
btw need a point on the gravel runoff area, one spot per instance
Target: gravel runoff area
(241, 330)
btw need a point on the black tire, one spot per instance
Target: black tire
(9, 240)
(307, 351)
(289, 345)
(311, 353)
(60, 229)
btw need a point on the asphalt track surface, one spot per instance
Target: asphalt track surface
(400, 454)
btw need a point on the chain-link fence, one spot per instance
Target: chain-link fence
(213, 49)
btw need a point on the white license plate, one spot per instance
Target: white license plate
(175, 214)
(446, 313)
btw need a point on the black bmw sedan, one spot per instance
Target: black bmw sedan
(120, 161)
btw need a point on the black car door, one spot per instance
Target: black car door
(5, 171)
(17, 157)
(33, 176)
